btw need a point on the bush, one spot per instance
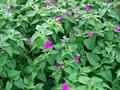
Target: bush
(59, 45)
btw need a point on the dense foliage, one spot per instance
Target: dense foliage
(59, 45)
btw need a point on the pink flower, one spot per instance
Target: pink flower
(90, 34)
(29, 41)
(107, 1)
(58, 16)
(57, 64)
(119, 9)
(87, 8)
(76, 58)
(74, 6)
(79, 15)
(65, 86)
(53, 3)
(8, 9)
(69, 13)
(47, 4)
(116, 28)
(47, 44)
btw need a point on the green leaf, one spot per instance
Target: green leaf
(19, 83)
(8, 85)
(68, 69)
(87, 43)
(39, 42)
(41, 75)
(114, 14)
(96, 80)
(35, 21)
(93, 59)
(82, 87)
(110, 35)
(12, 73)
(97, 50)
(81, 22)
(2, 22)
(52, 68)
(11, 63)
(106, 74)
(3, 58)
(1, 69)
(51, 60)
(48, 32)
(57, 77)
(30, 13)
(64, 52)
(73, 77)
(39, 85)
(45, 13)
(33, 75)
(8, 50)
(84, 79)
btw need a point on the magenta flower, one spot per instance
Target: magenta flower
(8, 9)
(69, 13)
(65, 86)
(87, 8)
(47, 44)
(53, 3)
(85, 48)
(90, 34)
(76, 58)
(116, 28)
(47, 4)
(57, 64)
(58, 17)
(29, 41)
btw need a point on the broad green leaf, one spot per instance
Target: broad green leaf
(52, 68)
(9, 85)
(41, 75)
(73, 77)
(114, 14)
(84, 80)
(33, 75)
(8, 50)
(30, 13)
(11, 63)
(12, 73)
(106, 74)
(19, 83)
(48, 32)
(39, 85)
(2, 22)
(110, 35)
(87, 43)
(93, 59)
(3, 58)
(97, 50)
(39, 42)
(82, 87)
(57, 77)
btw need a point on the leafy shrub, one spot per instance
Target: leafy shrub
(64, 44)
